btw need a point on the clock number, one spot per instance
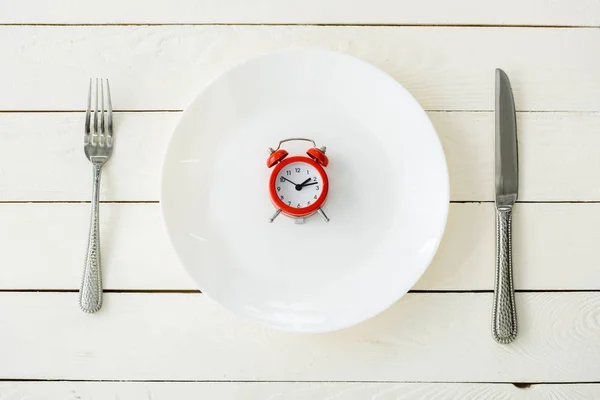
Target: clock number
(288, 172)
(297, 169)
(317, 187)
(298, 206)
(282, 197)
(282, 179)
(278, 188)
(289, 203)
(308, 203)
(307, 172)
(314, 179)
(315, 196)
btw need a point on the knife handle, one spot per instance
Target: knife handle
(504, 323)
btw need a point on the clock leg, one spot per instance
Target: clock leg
(322, 214)
(275, 215)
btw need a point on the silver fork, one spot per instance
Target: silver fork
(98, 145)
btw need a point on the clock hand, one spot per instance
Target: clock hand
(289, 181)
(300, 186)
(313, 183)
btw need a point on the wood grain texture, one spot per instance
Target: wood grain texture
(424, 337)
(291, 391)
(165, 67)
(557, 156)
(554, 248)
(57, 168)
(168, 336)
(136, 252)
(531, 12)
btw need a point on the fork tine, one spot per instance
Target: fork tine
(102, 131)
(88, 113)
(110, 120)
(95, 133)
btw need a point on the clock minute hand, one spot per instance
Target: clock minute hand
(288, 180)
(313, 183)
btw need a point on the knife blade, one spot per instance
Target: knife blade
(504, 318)
(507, 165)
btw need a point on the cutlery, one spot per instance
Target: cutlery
(98, 145)
(504, 319)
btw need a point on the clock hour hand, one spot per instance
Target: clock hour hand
(300, 186)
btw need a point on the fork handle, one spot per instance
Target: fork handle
(90, 295)
(504, 324)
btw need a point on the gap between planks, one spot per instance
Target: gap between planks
(82, 111)
(78, 201)
(520, 385)
(175, 111)
(158, 202)
(194, 291)
(431, 25)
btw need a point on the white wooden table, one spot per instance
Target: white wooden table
(158, 338)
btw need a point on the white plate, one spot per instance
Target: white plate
(388, 196)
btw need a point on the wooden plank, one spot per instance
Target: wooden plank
(553, 248)
(137, 254)
(558, 160)
(46, 247)
(510, 12)
(57, 169)
(165, 67)
(290, 391)
(424, 337)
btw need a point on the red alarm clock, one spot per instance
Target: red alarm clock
(298, 184)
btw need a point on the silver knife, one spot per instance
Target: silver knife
(504, 320)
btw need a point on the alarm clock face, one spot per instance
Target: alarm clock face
(299, 186)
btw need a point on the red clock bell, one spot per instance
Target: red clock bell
(298, 184)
